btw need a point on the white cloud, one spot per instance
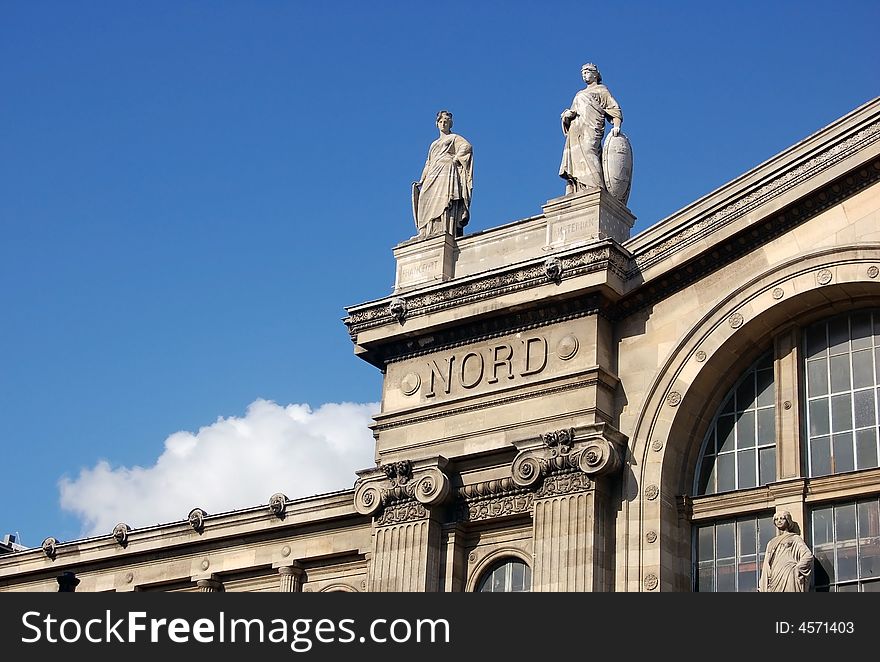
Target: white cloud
(233, 463)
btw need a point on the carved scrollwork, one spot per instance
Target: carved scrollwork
(402, 512)
(598, 457)
(433, 487)
(526, 469)
(367, 498)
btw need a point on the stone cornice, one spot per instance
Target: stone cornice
(604, 255)
(747, 240)
(756, 188)
(843, 485)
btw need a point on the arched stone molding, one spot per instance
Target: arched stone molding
(689, 386)
(479, 568)
(339, 587)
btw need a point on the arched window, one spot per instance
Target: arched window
(828, 378)
(506, 576)
(842, 368)
(739, 451)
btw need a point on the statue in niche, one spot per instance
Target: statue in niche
(442, 196)
(788, 562)
(586, 163)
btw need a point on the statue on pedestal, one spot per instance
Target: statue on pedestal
(788, 562)
(442, 196)
(586, 164)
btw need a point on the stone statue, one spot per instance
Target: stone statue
(788, 562)
(442, 196)
(584, 126)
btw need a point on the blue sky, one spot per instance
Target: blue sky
(192, 192)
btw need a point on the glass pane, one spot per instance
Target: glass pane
(724, 468)
(745, 393)
(842, 451)
(765, 388)
(823, 526)
(848, 588)
(728, 406)
(841, 412)
(725, 433)
(516, 576)
(866, 449)
(747, 469)
(877, 362)
(864, 408)
(863, 368)
(527, 578)
(819, 423)
(748, 537)
(707, 476)
(767, 465)
(747, 575)
(816, 341)
(706, 578)
(840, 373)
(838, 335)
(871, 587)
(869, 539)
(766, 531)
(498, 580)
(820, 456)
(845, 523)
(767, 426)
(705, 543)
(726, 576)
(745, 430)
(817, 377)
(860, 325)
(725, 536)
(824, 564)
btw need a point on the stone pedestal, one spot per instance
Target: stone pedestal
(581, 218)
(425, 261)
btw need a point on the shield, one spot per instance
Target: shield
(415, 202)
(617, 166)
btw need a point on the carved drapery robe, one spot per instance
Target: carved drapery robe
(582, 155)
(445, 194)
(788, 565)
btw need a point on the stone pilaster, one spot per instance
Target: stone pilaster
(571, 471)
(291, 578)
(403, 498)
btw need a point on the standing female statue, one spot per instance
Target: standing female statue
(584, 126)
(442, 196)
(788, 562)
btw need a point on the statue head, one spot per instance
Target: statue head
(444, 120)
(783, 521)
(590, 67)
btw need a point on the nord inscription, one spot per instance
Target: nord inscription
(499, 363)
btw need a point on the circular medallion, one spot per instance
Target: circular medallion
(651, 536)
(472, 557)
(674, 399)
(786, 404)
(735, 320)
(129, 577)
(410, 383)
(873, 271)
(205, 564)
(778, 293)
(651, 492)
(700, 355)
(651, 582)
(285, 551)
(823, 277)
(656, 445)
(567, 347)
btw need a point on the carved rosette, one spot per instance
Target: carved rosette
(405, 487)
(569, 453)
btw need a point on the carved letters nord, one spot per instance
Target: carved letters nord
(499, 363)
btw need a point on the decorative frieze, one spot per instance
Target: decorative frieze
(492, 499)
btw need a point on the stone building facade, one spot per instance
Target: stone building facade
(568, 408)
